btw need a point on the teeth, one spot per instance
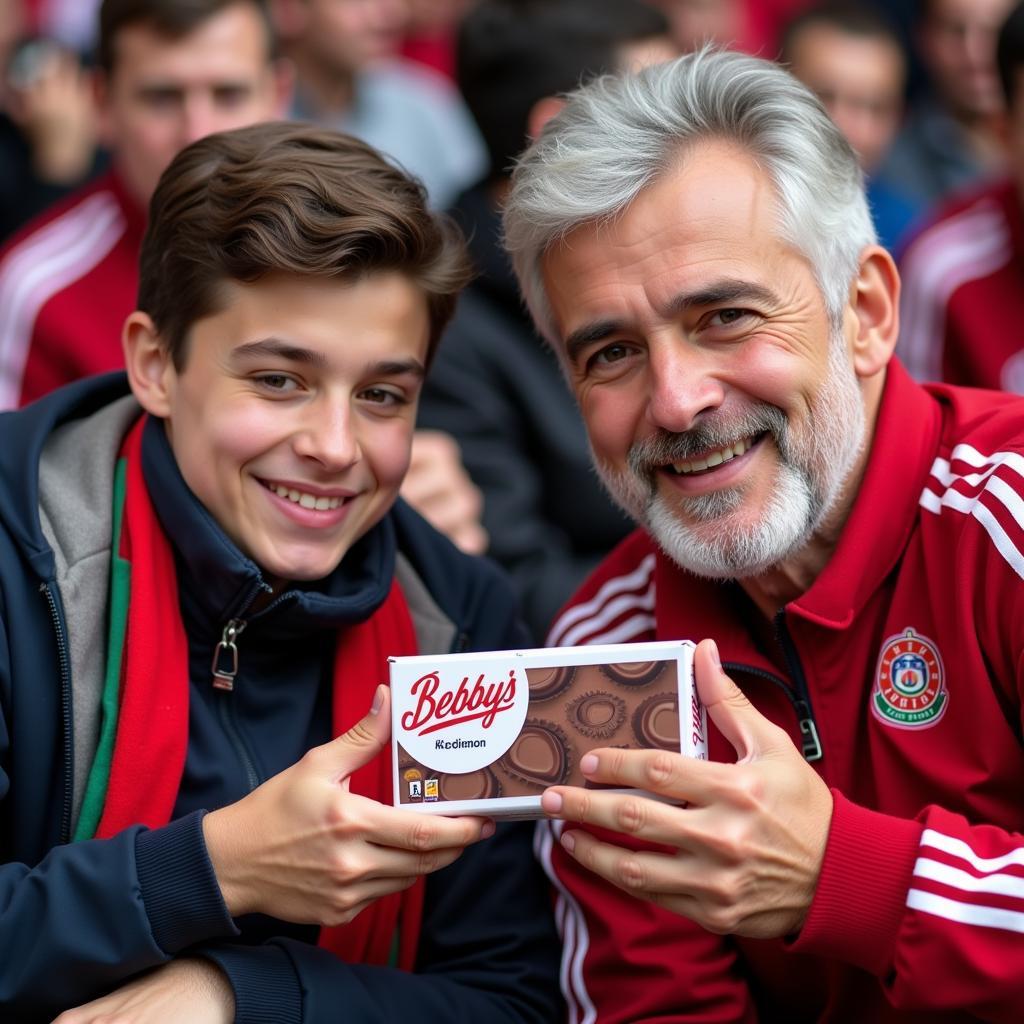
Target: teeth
(713, 459)
(321, 504)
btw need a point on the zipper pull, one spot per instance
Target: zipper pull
(810, 744)
(225, 656)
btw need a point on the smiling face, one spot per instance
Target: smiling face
(723, 409)
(292, 418)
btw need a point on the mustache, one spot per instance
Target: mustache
(653, 452)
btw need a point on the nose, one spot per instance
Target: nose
(327, 436)
(197, 118)
(683, 384)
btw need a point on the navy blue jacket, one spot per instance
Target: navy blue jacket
(78, 919)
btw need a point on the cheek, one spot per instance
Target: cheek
(387, 453)
(613, 421)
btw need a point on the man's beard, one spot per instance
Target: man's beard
(704, 533)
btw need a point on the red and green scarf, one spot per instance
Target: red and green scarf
(137, 769)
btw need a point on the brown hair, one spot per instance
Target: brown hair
(173, 19)
(290, 198)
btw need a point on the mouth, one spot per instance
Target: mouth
(316, 502)
(715, 457)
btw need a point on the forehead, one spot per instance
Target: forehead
(232, 41)
(714, 217)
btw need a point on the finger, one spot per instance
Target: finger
(362, 743)
(388, 862)
(628, 813)
(679, 778)
(643, 873)
(736, 718)
(410, 830)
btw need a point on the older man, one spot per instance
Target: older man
(695, 243)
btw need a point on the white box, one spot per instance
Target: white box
(487, 733)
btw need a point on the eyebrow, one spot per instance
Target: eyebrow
(714, 294)
(277, 348)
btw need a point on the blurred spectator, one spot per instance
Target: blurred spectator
(950, 138)
(350, 79)
(430, 32)
(850, 57)
(47, 127)
(963, 275)
(168, 73)
(494, 384)
(695, 22)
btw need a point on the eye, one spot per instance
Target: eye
(279, 383)
(382, 396)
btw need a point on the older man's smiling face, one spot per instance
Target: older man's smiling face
(722, 407)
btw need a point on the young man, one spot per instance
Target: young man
(168, 74)
(696, 244)
(197, 592)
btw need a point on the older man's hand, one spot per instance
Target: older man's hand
(744, 855)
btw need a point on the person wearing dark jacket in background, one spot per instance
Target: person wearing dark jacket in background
(203, 572)
(495, 386)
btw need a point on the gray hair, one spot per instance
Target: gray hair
(617, 134)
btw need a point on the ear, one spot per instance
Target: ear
(151, 371)
(875, 304)
(541, 112)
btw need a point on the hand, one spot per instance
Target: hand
(438, 487)
(52, 105)
(744, 853)
(303, 848)
(179, 992)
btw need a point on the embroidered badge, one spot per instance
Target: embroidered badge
(910, 682)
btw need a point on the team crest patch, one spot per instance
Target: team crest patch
(910, 682)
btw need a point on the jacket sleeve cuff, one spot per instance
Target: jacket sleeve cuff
(266, 986)
(862, 890)
(179, 887)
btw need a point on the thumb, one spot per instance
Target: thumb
(364, 741)
(736, 718)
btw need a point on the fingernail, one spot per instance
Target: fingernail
(588, 764)
(488, 830)
(378, 700)
(551, 802)
(715, 656)
(568, 841)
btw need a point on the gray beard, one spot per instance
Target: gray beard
(812, 472)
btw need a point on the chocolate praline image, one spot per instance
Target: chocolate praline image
(596, 714)
(539, 755)
(482, 784)
(634, 673)
(656, 721)
(545, 683)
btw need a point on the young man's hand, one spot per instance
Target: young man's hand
(302, 848)
(744, 854)
(179, 992)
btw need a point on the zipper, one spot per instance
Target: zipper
(810, 744)
(65, 710)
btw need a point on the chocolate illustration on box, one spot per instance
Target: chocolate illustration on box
(488, 733)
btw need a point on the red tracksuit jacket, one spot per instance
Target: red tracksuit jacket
(963, 294)
(67, 282)
(902, 666)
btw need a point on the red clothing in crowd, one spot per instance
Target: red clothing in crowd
(67, 282)
(907, 654)
(963, 293)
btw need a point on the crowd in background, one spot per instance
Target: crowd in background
(453, 90)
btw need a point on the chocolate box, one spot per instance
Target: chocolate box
(488, 733)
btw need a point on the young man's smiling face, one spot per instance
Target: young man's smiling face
(293, 416)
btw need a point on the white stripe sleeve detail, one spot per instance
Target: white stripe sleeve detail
(957, 878)
(966, 913)
(637, 578)
(958, 848)
(626, 631)
(611, 611)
